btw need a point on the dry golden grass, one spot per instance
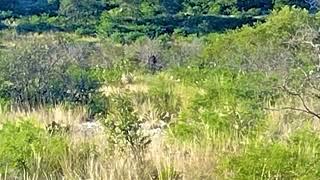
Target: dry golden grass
(162, 160)
(165, 158)
(282, 121)
(47, 115)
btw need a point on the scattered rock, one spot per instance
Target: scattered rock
(89, 129)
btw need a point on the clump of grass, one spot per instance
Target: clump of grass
(26, 148)
(227, 102)
(297, 157)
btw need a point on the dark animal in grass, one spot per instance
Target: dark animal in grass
(154, 65)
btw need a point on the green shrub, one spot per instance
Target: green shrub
(25, 147)
(124, 126)
(261, 47)
(226, 102)
(48, 71)
(298, 158)
(81, 85)
(98, 105)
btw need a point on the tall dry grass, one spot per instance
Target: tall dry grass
(90, 157)
(164, 159)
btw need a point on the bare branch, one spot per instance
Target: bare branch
(306, 109)
(292, 109)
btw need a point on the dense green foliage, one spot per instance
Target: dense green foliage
(144, 7)
(260, 47)
(227, 102)
(23, 146)
(296, 158)
(128, 21)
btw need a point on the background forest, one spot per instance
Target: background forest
(159, 89)
(126, 21)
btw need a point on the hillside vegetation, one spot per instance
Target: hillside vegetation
(162, 90)
(126, 21)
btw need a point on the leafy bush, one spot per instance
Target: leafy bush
(297, 158)
(98, 105)
(259, 48)
(48, 71)
(124, 126)
(25, 147)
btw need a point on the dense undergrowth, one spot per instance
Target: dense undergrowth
(237, 105)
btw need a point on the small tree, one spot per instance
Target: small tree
(47, 70)
(124, 127)
(302, 81)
